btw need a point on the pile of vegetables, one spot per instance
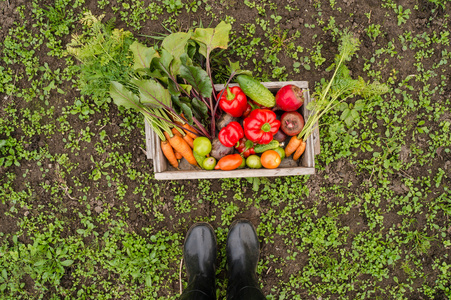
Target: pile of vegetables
(253, 126)
(244, 124)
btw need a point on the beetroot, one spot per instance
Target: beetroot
(280, 136)
(289, 98)
(291, 123)
(218, 150)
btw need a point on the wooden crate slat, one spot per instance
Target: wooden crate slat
(316, 140)
(270, 85)
(149, 140)
(180, 175)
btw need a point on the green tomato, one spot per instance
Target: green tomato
(281, 152)
(243, 164)
(199, 158)
(254, 162)
(202, 145)
(209, 163)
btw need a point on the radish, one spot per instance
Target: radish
(291, 123)
(289, 98)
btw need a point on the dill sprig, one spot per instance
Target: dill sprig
(104, 56)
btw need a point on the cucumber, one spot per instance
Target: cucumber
(256, 91)
(262, 148)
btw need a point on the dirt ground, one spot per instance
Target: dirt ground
(341, 171)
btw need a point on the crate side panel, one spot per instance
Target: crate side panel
(180, 175)
(159, 161)
(270, 85)
(149, 140)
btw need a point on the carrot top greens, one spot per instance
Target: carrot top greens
(340, 87)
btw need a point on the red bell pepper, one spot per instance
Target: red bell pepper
(231, 134)
(245, 147)
(261, 125)
(233, 101)
(247, 111)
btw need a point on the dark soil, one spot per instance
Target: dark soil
(421, 20)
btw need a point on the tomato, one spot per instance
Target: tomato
(281, 152)
(229, 162)
(202, 145)
(270, 159)
(209, 163)
(253, 162)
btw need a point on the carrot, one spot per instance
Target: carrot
(175, 131)
(293, 144)
(169, 154)
(168, 137)
(189, 140)
(178, 155)
(180, 145)
(187, 126)
(299, 150)
(186, 137)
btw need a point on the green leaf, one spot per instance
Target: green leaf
(198, 78)
(345, 114)
(163, 62)
(186, 60)
(359, 105)
(235, 67)
(192, 48)
(123, 97)
(67, 262)
(148, 280)
(96, 174)
(211, 38)
(175, 44)
(172, 87)
(256, 184)
(142, 55)
(200, 107)
(40, 263)
(154, 73)
(355, 114)
(188, 113)
(135, 274)
(186, 87)
(342, 106)
(151, 92)
(185, 108)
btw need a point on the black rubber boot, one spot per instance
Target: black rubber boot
(199, 254)
(243, 252)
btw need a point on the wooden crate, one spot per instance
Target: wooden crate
(305, 166)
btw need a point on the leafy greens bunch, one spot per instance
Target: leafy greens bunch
(103, 52)
(170, 84)
(333, 92)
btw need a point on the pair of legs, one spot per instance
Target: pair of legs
(243, 251)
